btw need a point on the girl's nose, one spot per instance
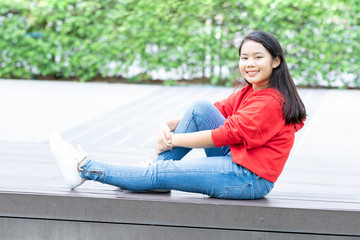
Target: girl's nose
(250, 63)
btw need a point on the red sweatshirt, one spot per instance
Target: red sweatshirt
(256, 131)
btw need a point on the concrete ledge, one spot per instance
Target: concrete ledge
(71, 215)
(35, 229)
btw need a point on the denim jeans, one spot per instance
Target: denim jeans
(215, 175)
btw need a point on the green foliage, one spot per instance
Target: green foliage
(86, 39)
(170, 82)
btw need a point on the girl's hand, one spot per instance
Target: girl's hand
(164, 138)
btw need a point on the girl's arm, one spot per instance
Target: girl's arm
(167, 141)
(201, 139)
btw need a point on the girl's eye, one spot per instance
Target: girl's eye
(243, 58)
(259, 57)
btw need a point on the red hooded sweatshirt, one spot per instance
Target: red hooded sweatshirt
(256, 131)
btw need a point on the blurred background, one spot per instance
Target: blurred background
(172, 41)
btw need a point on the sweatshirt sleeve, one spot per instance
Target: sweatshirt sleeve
(252, 125)
(224, 107)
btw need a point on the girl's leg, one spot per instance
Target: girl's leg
(213, 176)
(202, 115)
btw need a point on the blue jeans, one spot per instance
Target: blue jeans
(215, 175)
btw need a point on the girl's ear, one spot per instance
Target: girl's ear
(276, 62)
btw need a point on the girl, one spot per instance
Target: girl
(247, 137)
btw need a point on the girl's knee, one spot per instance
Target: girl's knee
(201, 103)
(202, 106)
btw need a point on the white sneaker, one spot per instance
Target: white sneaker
(68, 158)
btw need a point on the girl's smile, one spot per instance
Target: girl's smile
(252, 73)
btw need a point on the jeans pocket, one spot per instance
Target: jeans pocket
(245, 191)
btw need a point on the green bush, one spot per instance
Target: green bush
(85, 40)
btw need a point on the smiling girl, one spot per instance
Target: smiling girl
(247, 137)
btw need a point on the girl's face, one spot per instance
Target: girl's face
(256, 64)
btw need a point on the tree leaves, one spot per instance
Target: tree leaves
(84, 39)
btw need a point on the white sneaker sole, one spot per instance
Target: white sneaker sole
(68, 163)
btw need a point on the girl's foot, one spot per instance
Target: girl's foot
(68, 158)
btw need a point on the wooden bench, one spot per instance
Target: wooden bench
(316, 197)
(35, 204)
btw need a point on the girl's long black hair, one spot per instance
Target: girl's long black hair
(293, 108)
